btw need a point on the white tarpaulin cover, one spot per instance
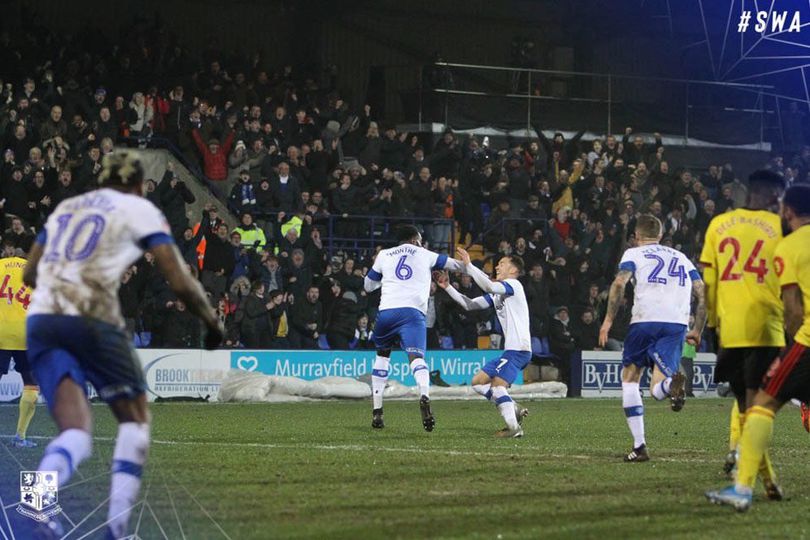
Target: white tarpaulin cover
(246, 386)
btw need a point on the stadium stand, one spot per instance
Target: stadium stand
(314, 187)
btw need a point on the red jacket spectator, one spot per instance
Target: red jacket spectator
(215, 158)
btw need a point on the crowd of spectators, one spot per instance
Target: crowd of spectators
(286, 152)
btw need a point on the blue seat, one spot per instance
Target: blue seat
(322, 343)
(540, 347)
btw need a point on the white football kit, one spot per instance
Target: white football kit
(663, 283)
(89, 241)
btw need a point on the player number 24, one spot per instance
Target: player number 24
(674, 270)
(758, 267)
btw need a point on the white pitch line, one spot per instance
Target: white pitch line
(404, 450)
(407, 450)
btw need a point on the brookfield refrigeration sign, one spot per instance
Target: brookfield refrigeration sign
(455, 367)
(600, 375)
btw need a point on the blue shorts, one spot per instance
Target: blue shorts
(405, 326)
(655, 343)
(86, 350)
(21, 365)
(508, 365)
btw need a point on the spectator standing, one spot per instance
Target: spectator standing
(307, 320)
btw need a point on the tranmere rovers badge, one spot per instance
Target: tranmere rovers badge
(39, 494)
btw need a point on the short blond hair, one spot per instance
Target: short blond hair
(648, 226)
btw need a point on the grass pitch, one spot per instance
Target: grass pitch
(317, 470)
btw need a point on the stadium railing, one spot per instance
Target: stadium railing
(470, 95)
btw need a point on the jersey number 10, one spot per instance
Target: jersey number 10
(80, 243)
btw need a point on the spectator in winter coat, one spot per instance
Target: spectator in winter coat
(219, 262)
(242, 198)
(286, 190)
(215, 157)
(173, 196)
(256, 328)
(586, 332)
(562, 343)
(306, 320)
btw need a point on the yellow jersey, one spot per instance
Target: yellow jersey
(792, 262)
(14, 300)
(743, 294)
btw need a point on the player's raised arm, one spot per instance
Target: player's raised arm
(469, 304)
(188, 290)
(446, 263)
(480, 277)
(614, 300)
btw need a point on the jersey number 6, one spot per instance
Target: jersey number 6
(403, 271)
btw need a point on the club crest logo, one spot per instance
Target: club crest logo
(779, 264)
(39, 494)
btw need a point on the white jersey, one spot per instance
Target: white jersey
(663, 283)
(513, 314)
(88, 243)
(405, 272)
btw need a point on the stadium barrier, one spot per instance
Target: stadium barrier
(197, 373)
(598, 374)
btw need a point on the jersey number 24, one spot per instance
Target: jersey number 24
(674, 270)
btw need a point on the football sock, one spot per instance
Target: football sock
(505, 406)
(131, 447)
(28, 405)
(754, 442)
(766, 470)
(422, 376)
(65, 452)
(484, 389)
(379, 376)
(734, 427)
(634, 411)
(661, 389)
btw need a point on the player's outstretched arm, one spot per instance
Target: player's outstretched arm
(614, 300)
(469, 304)
(454, 265)
(30, 272)
(188, 290)
(479, 276)
(699, 299)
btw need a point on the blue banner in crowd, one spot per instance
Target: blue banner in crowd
(455, 367)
